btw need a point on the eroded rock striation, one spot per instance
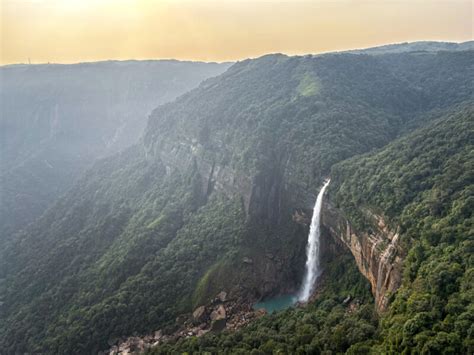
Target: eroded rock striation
(377, 250)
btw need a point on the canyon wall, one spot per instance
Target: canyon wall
(377, 251)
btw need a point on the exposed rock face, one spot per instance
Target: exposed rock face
(218, 319)
(264, 198)
(218, 314)
(199, 314)
(377, 253)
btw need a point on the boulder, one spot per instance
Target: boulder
(201, 332)
(218, 313)
(218, 325)
(158, 335)
(199, 314)
(260, 312)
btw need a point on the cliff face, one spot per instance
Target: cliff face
(377, 251)
(266, 268)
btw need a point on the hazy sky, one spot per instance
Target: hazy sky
(218, 30)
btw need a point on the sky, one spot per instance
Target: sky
(70, 31)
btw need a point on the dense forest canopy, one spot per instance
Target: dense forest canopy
(154, 231)
(432, 312)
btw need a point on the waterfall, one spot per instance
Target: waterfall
(313, 271)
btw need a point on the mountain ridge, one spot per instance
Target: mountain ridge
(57, 119)
(147, 226)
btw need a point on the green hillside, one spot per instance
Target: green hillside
(425, 184)
(152, 232)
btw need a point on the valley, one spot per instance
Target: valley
(217, 198)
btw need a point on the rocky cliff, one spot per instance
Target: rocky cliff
(377, 250)
(214, 198)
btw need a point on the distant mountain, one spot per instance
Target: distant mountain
(214, 197)
(420, 46)
(56, 120)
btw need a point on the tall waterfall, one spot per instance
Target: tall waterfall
(312, 250)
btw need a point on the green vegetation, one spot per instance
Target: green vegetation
(432, 312)
(217, 178)
(324, 326)
(424, 184)
(308, 86)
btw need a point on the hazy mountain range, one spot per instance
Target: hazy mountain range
(56, 120)
(208, 211)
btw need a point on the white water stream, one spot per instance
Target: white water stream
(312, 250)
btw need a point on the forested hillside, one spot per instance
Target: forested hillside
(425, 184)
(56, 120)
(419, 46)
(207, 201)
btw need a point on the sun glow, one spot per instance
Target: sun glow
(85, 30)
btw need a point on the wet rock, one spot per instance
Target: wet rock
(301, 218)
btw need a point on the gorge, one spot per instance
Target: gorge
(215, 199)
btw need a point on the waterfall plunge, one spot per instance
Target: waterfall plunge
(312, 250)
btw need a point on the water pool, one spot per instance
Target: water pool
(276, 304)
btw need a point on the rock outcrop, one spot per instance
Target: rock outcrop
(220, 313)
(377, 252)
(199, 314)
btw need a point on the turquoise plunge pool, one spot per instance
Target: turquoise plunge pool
(276, 304)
